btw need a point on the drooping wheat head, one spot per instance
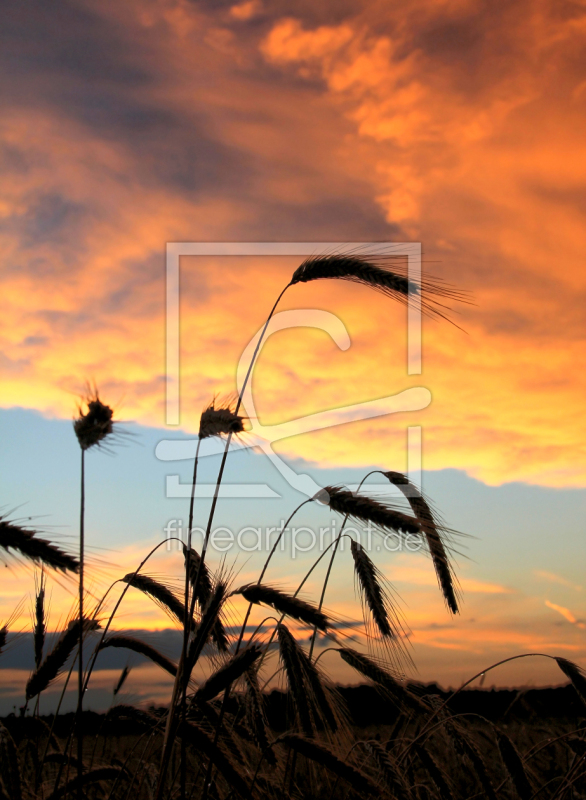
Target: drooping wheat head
(142, 648)
(365, 509)
(378, 601)
(287, 604)
(386, 274)
(432, 533)
(160, 593)
(27, 543)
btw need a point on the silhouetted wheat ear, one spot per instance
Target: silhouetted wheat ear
(296, 678)
(228, 673)
(9, 768)
(54, 661)
(467, 749)
(26, 543)
(430, 529)
(575, 674)
(382, 677)
(391, 773)
(365, 509)
(209, 618)
(372, 593)
(95, 425)
(514, 766)
(203, 742)
(322, 755)
(39, 621)
(144, 649)
(121, 680)
(255, 713)
(220, 421)
(293, 607)
(386, 274)
(434, 772)
(162, 596)
(204, 592)
(3, 637)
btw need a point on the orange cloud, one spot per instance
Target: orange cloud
(406, 126)
(566, 613)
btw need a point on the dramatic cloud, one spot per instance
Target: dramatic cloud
(128, 126)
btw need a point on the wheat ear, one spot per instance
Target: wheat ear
(121, 680)
(575, 674)
(514, 765)
(26, 543)
(430, 529)
(376, 273)
(365, 509)
(142, 648)
(55, 660)
(256, 715)
(204, 592)
(163, 596)
(228, 673)
(321, 754)
(434, 772)
(39, 629)
(198, 737)
(382, 677)
(373, 594)
(296, 678)
(287, 604)
(389, 770)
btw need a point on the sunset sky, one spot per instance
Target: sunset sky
(459, 125)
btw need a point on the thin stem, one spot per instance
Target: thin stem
(170, 718)
(242, 630)
(186, 628)
(331, 564)
(80, 657)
